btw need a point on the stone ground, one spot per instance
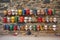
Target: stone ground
(11, 37)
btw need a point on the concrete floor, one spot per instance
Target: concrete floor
(11, 37)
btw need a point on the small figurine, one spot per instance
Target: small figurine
(28, 32)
